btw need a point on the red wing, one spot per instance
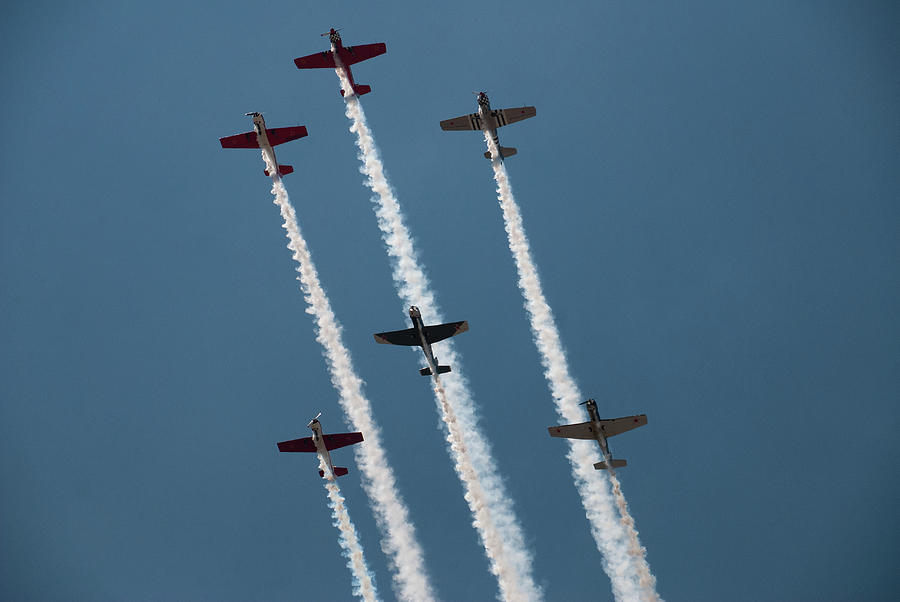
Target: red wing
(355, 54)
(245, 140)
(281, 135)
(341, 440)
(319, 60)
(297, 445)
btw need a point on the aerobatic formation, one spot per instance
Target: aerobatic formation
(493, 515)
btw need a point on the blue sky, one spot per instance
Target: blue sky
(710, 190)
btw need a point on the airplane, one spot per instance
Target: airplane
(265, 139)
(600, 430)
(321, 444)
(348, 55)
(423, 336)
(489, 120)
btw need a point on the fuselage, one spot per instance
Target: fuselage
(259, 124)
(597, 426)
(487, 120)
(416, 316)
(316, 428)
(337, 47)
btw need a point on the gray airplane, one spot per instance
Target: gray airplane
(423, 336)
(489, 120)
(600, 430)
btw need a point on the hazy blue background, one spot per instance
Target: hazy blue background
(711, 191)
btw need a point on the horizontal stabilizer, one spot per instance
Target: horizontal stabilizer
(618, 463)
(440, 369)
(505, 151)
(360, 89)
(282, 169)
(339, 471)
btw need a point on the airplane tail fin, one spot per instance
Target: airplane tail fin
(426, 371)
(339, 471)
(283, 170)
(360, 89)
(616, 463)
(505, 151)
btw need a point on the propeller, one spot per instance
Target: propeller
(585, 402)
(333, 30)
(252, 113)
(314, 419)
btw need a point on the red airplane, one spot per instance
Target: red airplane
(321, 444)
(265, 139)
(347, 55)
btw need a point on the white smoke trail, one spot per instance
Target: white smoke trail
(479, 502)
(494, 517)
(624, 559)
(646, 580)
(411, 581)
(363, 585)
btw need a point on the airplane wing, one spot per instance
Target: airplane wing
(356, 54)
(341, 439)
(399, 337)
(464, 122)
(245, 140)
(582, 430)
(620, 425)
(281, 135)
(439, 332)
(319, 60)
(297, 445)
(507, 116)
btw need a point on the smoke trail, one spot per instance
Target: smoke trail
(646, 580)
(479, 503)
(494, 517)
(363, 586)
(411, 581)
(624, 561)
